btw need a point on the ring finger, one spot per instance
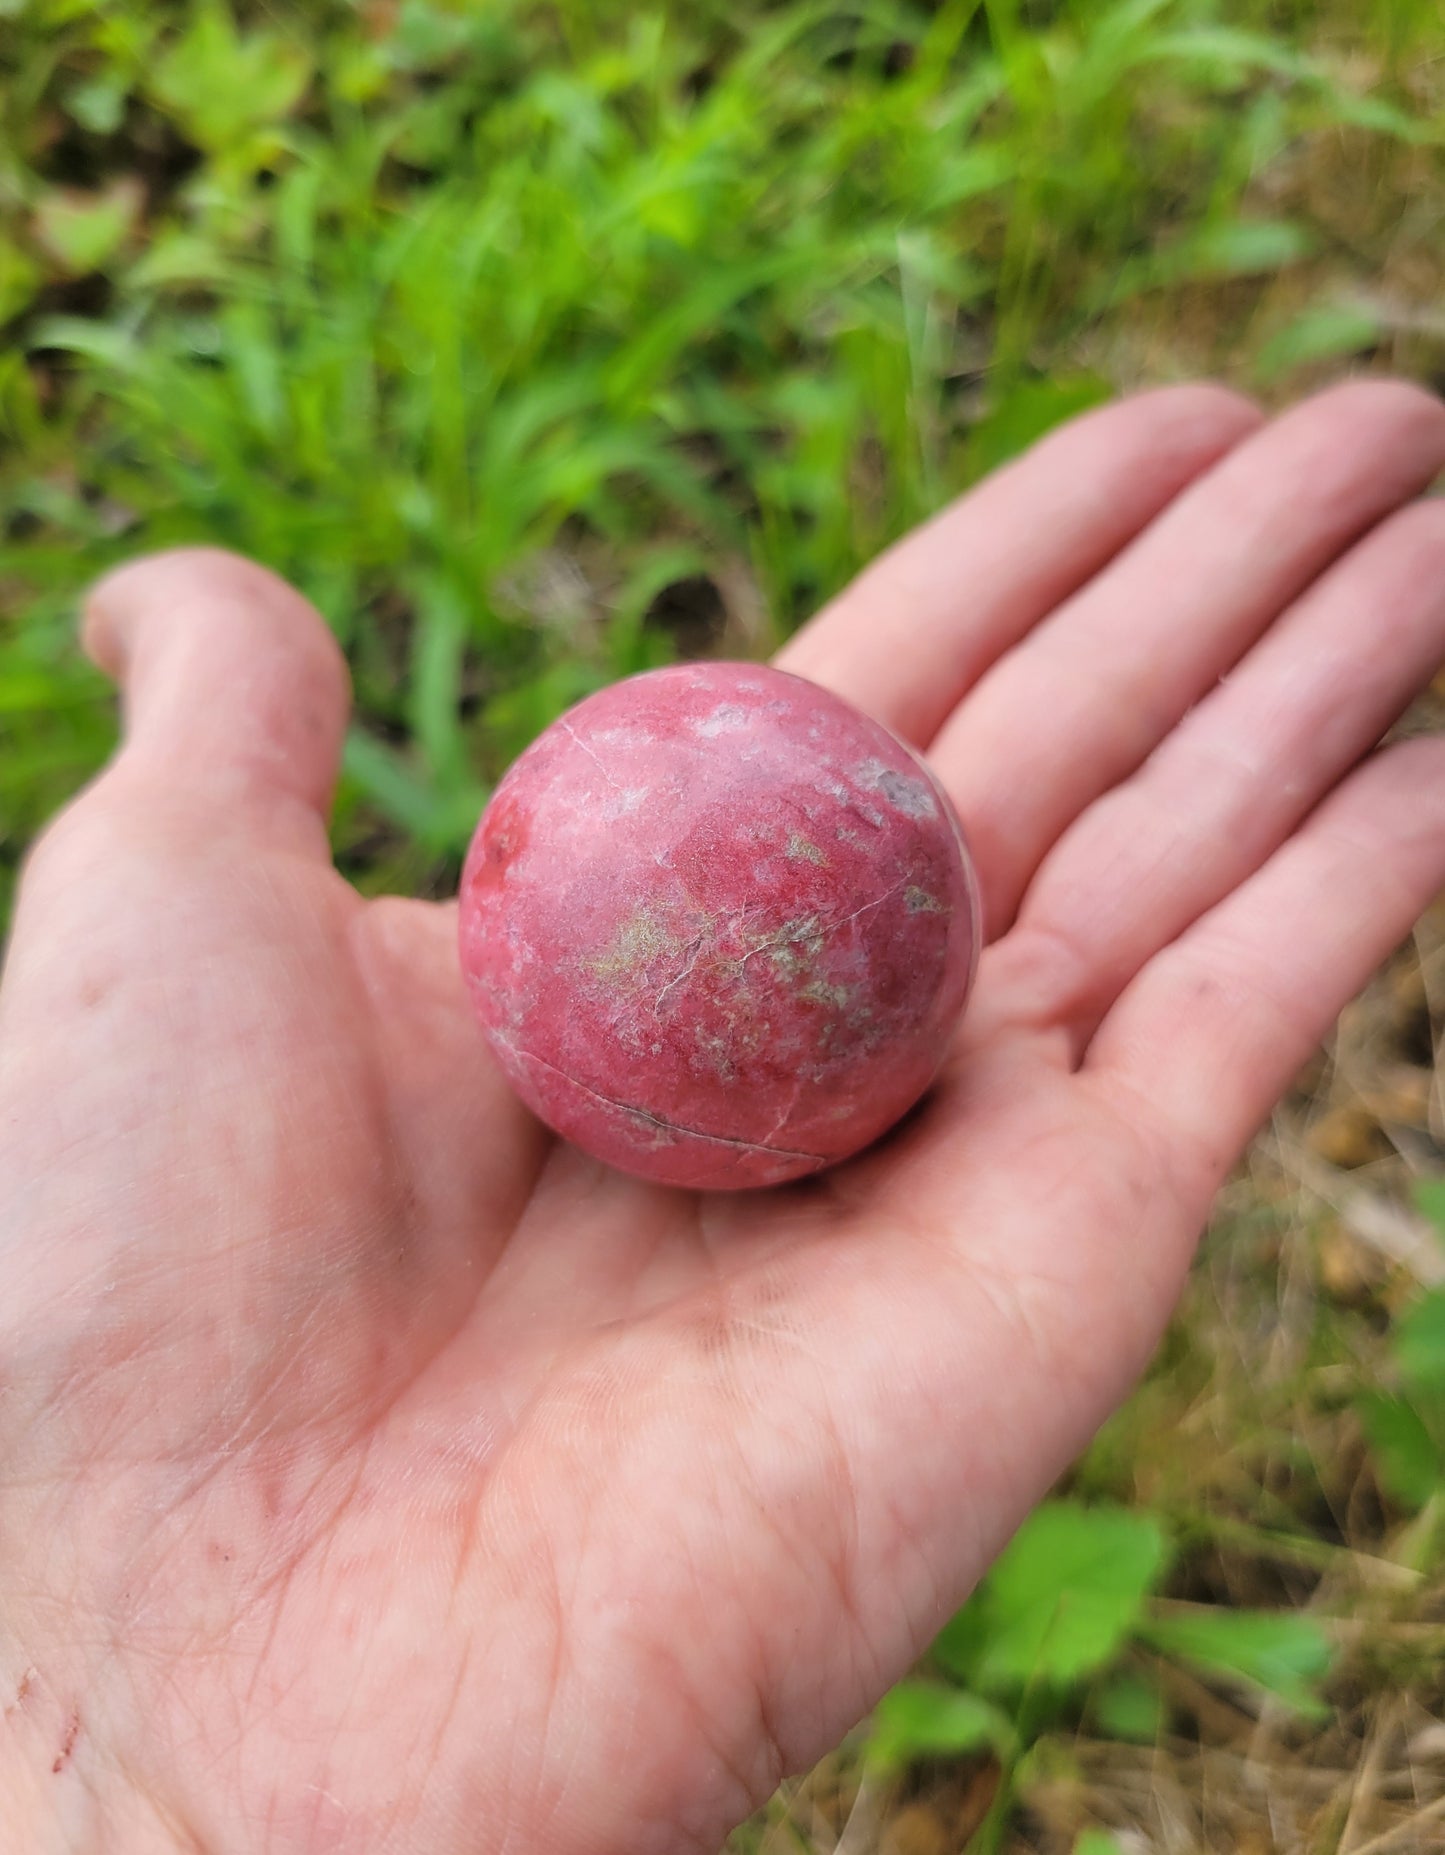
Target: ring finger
(1234, 780)
(1092, 691)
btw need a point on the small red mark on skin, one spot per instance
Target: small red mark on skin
(67, 1745)
(740, 937)
(92, 991)
(22, 1693)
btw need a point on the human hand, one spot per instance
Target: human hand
(377, 1474)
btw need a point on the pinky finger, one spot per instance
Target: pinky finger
(1213, 1030)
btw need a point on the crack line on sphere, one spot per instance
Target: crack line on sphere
(658, 1120)
(786, 1115)
(831, 926)
(591, 753)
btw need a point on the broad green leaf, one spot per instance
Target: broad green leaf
(1066, 1595)
(960, 1644)
(922, 1719)
(1097, 1842)
(1324, 333)
(357, 73)
(1419, 1342)
(425, 36)
(98, 105)
(1286, 1654)
(220, 84)
(81, 231)
(1129, 1707)
(1406, 1457)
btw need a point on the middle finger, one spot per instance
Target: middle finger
(1090, 693)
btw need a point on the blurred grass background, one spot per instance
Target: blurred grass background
(543, 343)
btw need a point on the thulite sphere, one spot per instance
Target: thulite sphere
(718, 926)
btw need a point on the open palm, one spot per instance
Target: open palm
(377, 1474)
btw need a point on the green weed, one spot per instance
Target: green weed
(500, 329)
(1405, 1423)
(1068, 1622)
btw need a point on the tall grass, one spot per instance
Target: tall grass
(514, 333)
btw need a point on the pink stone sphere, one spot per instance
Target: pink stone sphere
(718, 926)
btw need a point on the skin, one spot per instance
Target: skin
(376, 1475)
